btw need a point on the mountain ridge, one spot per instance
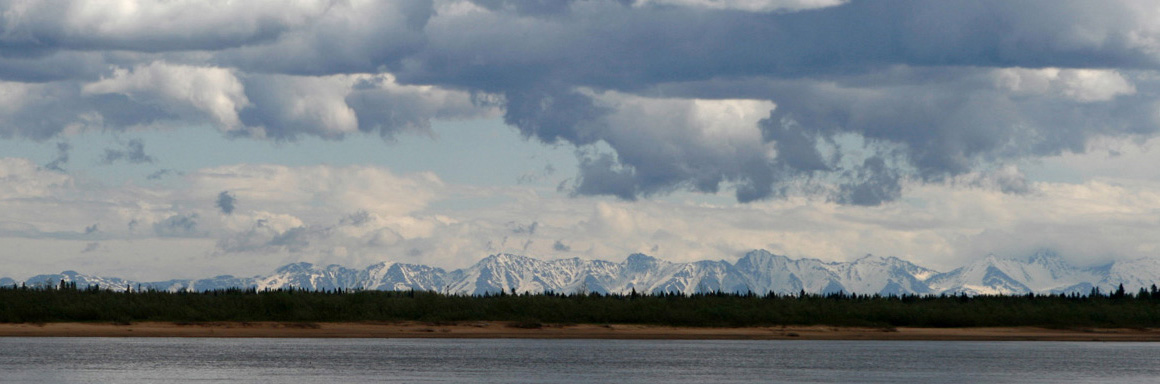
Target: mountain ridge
(758, 271)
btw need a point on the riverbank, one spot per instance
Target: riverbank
(555, 331)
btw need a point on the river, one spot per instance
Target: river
(153, 360)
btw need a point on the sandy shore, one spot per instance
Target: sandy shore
(548, 331)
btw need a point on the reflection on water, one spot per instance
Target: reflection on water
(151, 360)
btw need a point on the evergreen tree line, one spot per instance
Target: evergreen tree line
(67, 303)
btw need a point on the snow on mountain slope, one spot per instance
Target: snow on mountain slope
(310, 277)
(883, 275)
(643, 273)
(402, 277)
(704, 276)
(82, 281)
(758, 271)
(507, 272)
(1043, 272)
(765, 272)
(1134, 274)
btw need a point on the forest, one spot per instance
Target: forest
(67, 303)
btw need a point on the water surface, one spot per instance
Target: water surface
(151, 360)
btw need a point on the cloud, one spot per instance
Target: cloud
(287, 107)
(537, 175)
(42, 110)
(143, 25)
(280, 107)
(209, 94)
(935, 109)
(359, 215)
(184, 225)
(358, 218)
(519, 229)
(271, 233)
(91, 229)
(673, 144)
(91, 247)
(747, 5)
(319, 188)
(875, 183)
(157, 175)
(225, 201)
(1083, 85)
(22, 179)
(133, 153)
(58, 163)
(761, 98)
(372, 34)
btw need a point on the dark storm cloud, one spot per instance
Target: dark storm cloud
(60, 65)
(225, 202)
(604, 44)
(927, 89)
(603, 175)
(347, 38)
(943, 116)
(554, 115)
(875, 183)
(133, 152)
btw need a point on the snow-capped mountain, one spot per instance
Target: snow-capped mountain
(1134, 274)
(885, 275)
(758, 271)
(1045, 272)
(81, 279)
(402, 277)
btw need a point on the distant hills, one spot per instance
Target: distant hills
(758, 271)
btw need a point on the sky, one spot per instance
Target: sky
(152, 140)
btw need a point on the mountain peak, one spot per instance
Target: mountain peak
(871, 258)
(639, 258)
(294, 267)
(1045, 256)
(758, 271)
(507, 258)
(758, 253)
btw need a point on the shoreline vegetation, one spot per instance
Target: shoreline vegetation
(66, 310)
(512, 330)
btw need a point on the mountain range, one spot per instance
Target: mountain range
(758, 271)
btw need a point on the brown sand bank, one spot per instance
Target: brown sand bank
(549, 331)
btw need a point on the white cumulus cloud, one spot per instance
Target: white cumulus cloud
(212, 92)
